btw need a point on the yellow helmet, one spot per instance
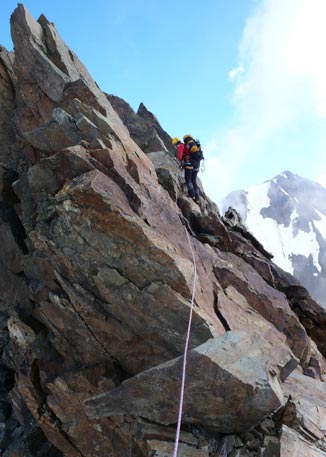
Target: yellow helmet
(175, 141)
(187, 137)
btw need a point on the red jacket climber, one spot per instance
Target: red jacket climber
(190, 166)
(181, 151)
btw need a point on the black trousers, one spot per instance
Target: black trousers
(191, 181)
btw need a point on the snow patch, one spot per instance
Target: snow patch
(321, 224)
(276, 238)
(284, 192)
(300, 203)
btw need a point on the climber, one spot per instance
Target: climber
(189, 156)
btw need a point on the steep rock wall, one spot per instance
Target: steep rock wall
(96, 281)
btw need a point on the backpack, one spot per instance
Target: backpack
(193, 146)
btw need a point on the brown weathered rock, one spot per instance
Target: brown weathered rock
(96, 273)
(122, 291)
(232, 384)
(45, 72)
(265, 300)
(311, 313)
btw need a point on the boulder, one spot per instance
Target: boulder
(233, 382)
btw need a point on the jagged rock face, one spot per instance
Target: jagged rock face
(7, 104)
(143, 127)
(152, 121)
(97, 280)
(288, 215)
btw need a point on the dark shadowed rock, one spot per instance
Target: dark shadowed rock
(167, 171)
(144, 134)
(7, 104)
(57, 134)
(152, 121)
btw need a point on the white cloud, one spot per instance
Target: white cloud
(279, 87)
(236, 72)
(282, 47)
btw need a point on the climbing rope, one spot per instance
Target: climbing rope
(184, 366)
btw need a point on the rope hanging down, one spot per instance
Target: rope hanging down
(177, 437)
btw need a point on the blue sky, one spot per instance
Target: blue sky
(247, 77)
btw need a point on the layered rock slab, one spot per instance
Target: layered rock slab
(294, 445)
(233, 382)
(235, 275)
(133, 301)
(306, 407)
(49, 75)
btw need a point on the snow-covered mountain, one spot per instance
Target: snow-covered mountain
(288, 216)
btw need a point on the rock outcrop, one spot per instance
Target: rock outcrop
(96, 274)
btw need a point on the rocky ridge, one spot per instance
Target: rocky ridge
(96, 280)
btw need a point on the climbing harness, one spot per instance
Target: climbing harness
(184, 366)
